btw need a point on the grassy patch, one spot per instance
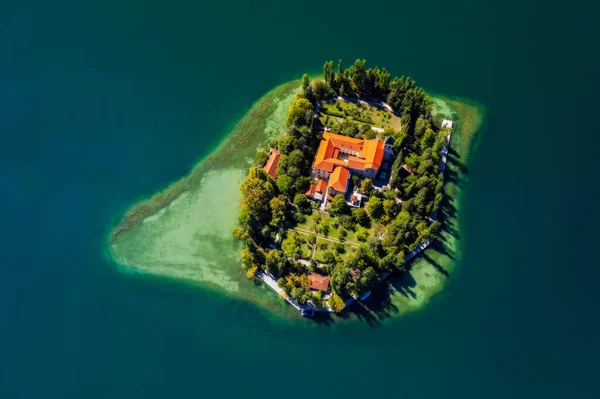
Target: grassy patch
(332, 230)
(324, 246)
(360, 113)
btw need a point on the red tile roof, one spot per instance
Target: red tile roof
(318, 187)
(370, 152)
(271, 165)
(338, 180)
(318, 282)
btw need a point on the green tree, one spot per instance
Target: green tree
(303, 183)
(284, 183)
(367, 132)
(305, 84)
(301, 201)
(274, 262)
(277, 205)
(292, 246)
(360, 217)
(375, 207)
(328, 73)
(383, 82)
(248, 259)
(287, 144)
(329, 258)
(347, 222)
(358, 74)
(338, 205)
(321, 90)
(296, 160)
(336, 303)
(368, 279)
(391, 263)
(317, 299)
(349, 128)
(300, 113)
(256, 194)
(362, 235)
(261, 157)
(389, 207)
(366, 186)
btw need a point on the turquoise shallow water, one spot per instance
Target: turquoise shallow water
(104, 103)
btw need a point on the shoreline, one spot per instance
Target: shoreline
(141, 209)
(224, 157)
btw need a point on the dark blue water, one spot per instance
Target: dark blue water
(103, 103)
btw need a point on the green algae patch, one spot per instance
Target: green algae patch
(185, 231)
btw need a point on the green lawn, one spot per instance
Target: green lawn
(360, 113)
(332, 232)
(305, 247)
(323, 246)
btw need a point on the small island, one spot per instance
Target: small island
(349, 194)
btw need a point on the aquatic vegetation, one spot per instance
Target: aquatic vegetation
(185, 230)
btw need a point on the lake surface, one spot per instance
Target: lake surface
(105, 103)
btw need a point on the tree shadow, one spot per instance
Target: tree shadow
(364, 313)
(442, 249)
(379, 304)
(453, 158)
(323, 319)
(436, 265)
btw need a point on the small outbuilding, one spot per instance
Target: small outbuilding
(272, 163)
(318, 282)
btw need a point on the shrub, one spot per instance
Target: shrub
(336, 303)
(346, 222)
(334, 113)
(251, 272)
(361, 235)
(261, 156)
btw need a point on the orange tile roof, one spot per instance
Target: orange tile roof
(338, 180)
(271, 165)
(370, 152)
(318, 282)
(319, 187)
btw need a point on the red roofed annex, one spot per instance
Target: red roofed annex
(271, 165)
(318, 282)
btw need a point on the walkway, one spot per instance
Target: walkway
(269, 279)
(352, 244)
